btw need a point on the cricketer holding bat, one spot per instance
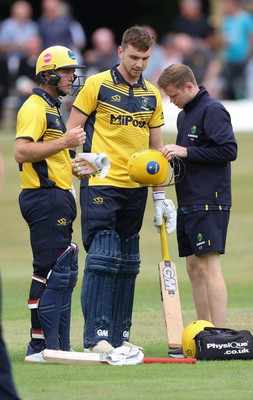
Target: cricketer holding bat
(121, 114)
(207, 145)
(46, 202)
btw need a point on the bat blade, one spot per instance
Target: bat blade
(171, 303)
(170, 295)
(72, 357)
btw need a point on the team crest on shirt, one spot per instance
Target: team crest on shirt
(57, 122)
(193, 129)
(144, 102)
(193, 134)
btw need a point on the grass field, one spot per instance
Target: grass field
(211, 380)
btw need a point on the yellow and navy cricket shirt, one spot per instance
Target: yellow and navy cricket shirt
(39, 119)
(119, 118)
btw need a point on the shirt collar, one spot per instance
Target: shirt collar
(201, 93)
(118, 78)
(47, 97)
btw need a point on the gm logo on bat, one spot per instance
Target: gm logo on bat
(169, 279)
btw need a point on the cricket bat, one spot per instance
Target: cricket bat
(75, 357)
(170, 295)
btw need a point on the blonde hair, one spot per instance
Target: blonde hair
(177, 75)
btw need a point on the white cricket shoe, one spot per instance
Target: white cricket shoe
(101, 347)
(36, 357)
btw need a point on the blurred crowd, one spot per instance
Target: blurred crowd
(219, 51)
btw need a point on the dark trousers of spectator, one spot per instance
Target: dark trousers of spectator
(233, 77)
(7, 386)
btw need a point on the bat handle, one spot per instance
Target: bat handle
(164, 244)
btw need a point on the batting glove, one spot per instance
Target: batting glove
(164, 209)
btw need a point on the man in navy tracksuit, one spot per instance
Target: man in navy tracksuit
(206, 144)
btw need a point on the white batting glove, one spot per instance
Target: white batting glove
(164, 209)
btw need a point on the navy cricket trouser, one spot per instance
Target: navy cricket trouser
(49, 214)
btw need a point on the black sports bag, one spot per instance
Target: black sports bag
(224, 344)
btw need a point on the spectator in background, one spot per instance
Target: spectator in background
(157, 58)
(192, 21)
(4, 85)
(14, 33)
(104, 52)
(25, 82)
(236, 47)
(54, 25)
(171, 52)
(78, 34)
(57, 26)
(202, 60)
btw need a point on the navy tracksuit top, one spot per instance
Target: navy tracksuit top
(204, 127)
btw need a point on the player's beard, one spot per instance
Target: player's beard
(132, 74)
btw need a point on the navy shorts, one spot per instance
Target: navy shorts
(111, 208)
(49, 214)
(202, 232)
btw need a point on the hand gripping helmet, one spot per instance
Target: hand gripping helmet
(189, 333)
(148, 167)
(52, 59)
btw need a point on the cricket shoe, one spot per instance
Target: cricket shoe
(36, 357)
(101, 347)
(33, 348)
(176, 353)
(128, 344)
(34, 352)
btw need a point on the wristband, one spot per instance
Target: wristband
(158, 196)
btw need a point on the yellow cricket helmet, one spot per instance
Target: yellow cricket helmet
(53, 58)
(148, 167)
(189, 333)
